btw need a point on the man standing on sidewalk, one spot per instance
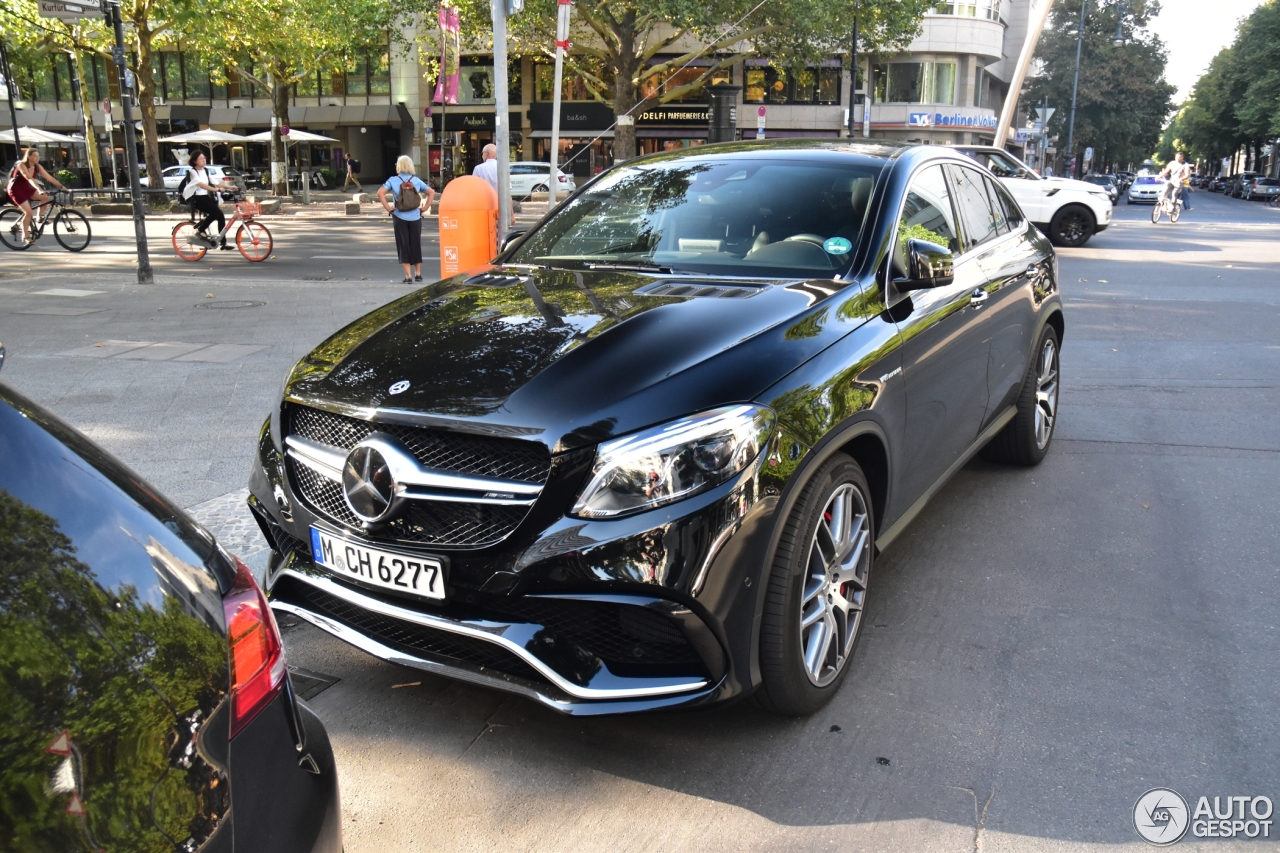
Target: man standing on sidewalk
(488, 169)
(351, 177)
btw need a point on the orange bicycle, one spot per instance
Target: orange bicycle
(252, 238)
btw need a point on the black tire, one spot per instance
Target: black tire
(789, 688)
(1072, 226)
(541, 188)
(1019, 443)
(11, 229)
(71, 230)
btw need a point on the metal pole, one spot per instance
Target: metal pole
(1008, 112)
(853, 74)
(9, 87)
(145, 274)
(562, 41)
(501, 116)
(1075, 86)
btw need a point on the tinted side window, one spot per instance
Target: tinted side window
(977, 220)
(926, 213)
(1004, 202)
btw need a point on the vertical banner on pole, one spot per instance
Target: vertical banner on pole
(450, 51)
(562, 44)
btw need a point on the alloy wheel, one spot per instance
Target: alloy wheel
(1046, 393)
(835, 585)
(1073, 229)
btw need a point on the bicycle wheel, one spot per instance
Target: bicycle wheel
(71, 230)
(1176, 213)
(11, 229)
(1155, 213)
(254, 241)
(185, 242)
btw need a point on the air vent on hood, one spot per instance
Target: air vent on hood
(692, 289)
(498, 278)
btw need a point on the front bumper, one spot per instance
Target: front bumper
(655, 610)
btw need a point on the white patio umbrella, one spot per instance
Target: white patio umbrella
(205, 137)
(37, 136)
(294, 136)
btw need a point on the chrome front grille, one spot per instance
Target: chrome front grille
(428, 517)
(504, 458)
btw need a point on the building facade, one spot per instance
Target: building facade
(947, 88)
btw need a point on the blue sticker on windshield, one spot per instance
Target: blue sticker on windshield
(837, 246)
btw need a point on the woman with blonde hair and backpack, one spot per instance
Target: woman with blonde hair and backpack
(409, 198)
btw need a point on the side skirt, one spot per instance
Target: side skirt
(886, 538)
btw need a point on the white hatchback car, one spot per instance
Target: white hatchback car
(534, 177)
(1068, 211)
(173, 176)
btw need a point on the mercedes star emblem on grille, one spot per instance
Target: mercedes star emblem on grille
(367, 483)
(397, 387)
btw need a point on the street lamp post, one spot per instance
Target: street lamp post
(1075, 87)
(1119, 40)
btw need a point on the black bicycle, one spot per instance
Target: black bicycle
(70, 228)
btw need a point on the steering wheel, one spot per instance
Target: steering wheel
(815, 239)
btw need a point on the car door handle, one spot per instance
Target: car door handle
(978, 297)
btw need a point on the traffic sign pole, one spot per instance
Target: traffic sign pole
(145, 273)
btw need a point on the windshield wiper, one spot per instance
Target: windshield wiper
(651, 268)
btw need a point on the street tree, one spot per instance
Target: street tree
(36, 37)
(1123, 99)
(626, 52)
(149, 27)
(273, 45)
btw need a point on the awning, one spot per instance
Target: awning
(39, 136)
(571, 134)
(313, 117)
(294, 136)
(49, 119)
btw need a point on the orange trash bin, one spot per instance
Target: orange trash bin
(468, 225)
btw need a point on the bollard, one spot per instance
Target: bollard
(468, 225)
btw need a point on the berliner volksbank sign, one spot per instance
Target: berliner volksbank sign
(953, 120)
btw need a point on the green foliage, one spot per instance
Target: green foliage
(1237, 101)
(916, 231)
(67, 178)
(1123, 99)
(615, 41)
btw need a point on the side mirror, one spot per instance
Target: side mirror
(928, 265)
(1, 356)
(510, 239)
(1022, 173)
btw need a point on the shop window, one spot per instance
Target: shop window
(62, 76)
(914, 83)
(195, 76)
(308, 86)
(378, 61)
(333, 82)
(357, 74)
(572, 87)
(172, 75)
(810, 85)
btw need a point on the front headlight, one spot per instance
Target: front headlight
(667, 463)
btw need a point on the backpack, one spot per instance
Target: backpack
(186, 179)
(408, 198)
(355, 167)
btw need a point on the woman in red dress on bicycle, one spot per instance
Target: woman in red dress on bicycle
(23, 188)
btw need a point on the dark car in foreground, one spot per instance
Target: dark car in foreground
(146, 705)
(648, 457)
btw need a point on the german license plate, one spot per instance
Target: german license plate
(422, 576)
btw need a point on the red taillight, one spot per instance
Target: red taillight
(257, 656)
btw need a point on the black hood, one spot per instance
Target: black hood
(571, 358)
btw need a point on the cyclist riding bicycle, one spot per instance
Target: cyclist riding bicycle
(23, 188)
(1176, 174)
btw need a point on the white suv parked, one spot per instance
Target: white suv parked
(1068, 211)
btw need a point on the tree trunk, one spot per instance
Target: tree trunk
(90, 137)
(626, 93)
(279, 118)
(145, 83)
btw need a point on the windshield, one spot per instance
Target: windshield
(764, 218)
(1150, 179)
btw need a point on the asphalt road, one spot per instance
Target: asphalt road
(1042, 647)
